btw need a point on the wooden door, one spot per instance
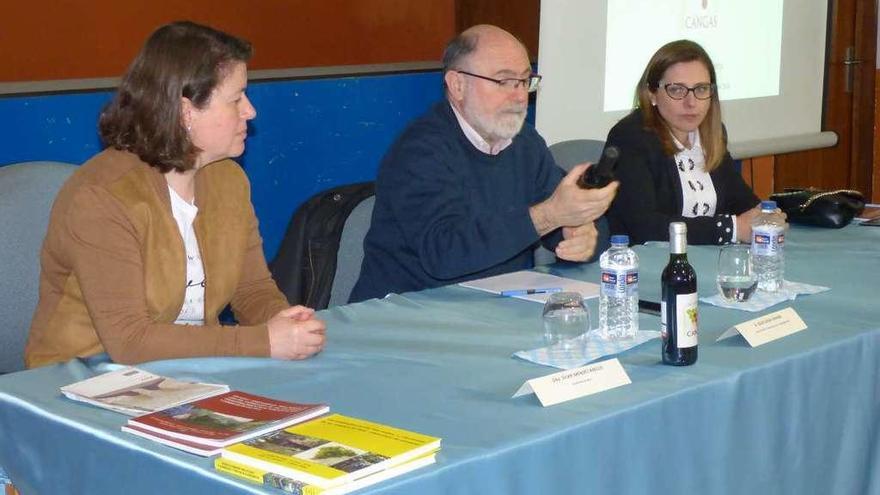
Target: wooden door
(848, 108)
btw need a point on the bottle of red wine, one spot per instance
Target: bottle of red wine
(678, 303)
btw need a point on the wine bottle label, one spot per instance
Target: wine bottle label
(620, 283)
(686, 320)
(767, 242)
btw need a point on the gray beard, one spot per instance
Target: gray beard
(496, 129)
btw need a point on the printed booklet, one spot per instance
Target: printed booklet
(133, 391)
(295, 487)
(204, 426)
(332, 451)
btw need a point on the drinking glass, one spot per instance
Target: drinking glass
(566, 320)
(736, 276)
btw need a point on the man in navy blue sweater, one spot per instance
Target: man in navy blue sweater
(467, 191)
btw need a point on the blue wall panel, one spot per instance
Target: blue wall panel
(312, 135)
(309, 135)
(50, 127)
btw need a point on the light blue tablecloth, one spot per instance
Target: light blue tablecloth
(800, 415)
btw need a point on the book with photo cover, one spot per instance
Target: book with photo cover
(133, 391)
(192, 447)
(221, 420)
(295, 487)
(332, 451)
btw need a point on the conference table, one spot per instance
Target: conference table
(797, 415)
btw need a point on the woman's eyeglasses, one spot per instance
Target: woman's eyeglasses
(678, 91)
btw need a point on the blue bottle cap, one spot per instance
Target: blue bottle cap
(768, 205)
(620, 239)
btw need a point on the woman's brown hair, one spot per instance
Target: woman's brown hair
(181, 59)
(711, 132)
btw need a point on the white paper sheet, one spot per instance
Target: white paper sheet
(528, 279)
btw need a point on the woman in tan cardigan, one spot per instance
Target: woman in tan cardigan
(150, 239)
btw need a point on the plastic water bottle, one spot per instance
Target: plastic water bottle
(768, 243)
(619, 293)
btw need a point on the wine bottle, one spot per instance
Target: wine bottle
(678, 304)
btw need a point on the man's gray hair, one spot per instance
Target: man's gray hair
(458, 49)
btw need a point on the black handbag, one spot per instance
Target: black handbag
(832, 209)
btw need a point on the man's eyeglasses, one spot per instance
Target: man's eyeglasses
(678, 91)
(531, 83)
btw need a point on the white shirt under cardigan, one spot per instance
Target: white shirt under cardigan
(698, 192)
(193, 310)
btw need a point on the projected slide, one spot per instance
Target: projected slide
(743, 37)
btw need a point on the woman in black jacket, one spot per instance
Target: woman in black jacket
(674, 165)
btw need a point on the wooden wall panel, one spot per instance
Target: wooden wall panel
(875, 164)
(758, 173)
(850, 115)
(861, 163)
(69, 39)
(522, 18)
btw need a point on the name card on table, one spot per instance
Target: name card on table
(767, 328)
(576, 382)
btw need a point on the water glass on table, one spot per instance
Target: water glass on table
(566, 320)
(736, 279)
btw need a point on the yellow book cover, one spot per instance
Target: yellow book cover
(332, 450)
(259, 476)
(295, 487)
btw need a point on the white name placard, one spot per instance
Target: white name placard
(767, 328)
(576, 382)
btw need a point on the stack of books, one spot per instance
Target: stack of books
(205, 426)
(331, 455)
(272, 442)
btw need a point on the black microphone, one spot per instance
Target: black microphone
(602, 173)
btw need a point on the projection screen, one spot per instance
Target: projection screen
(769, 57)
